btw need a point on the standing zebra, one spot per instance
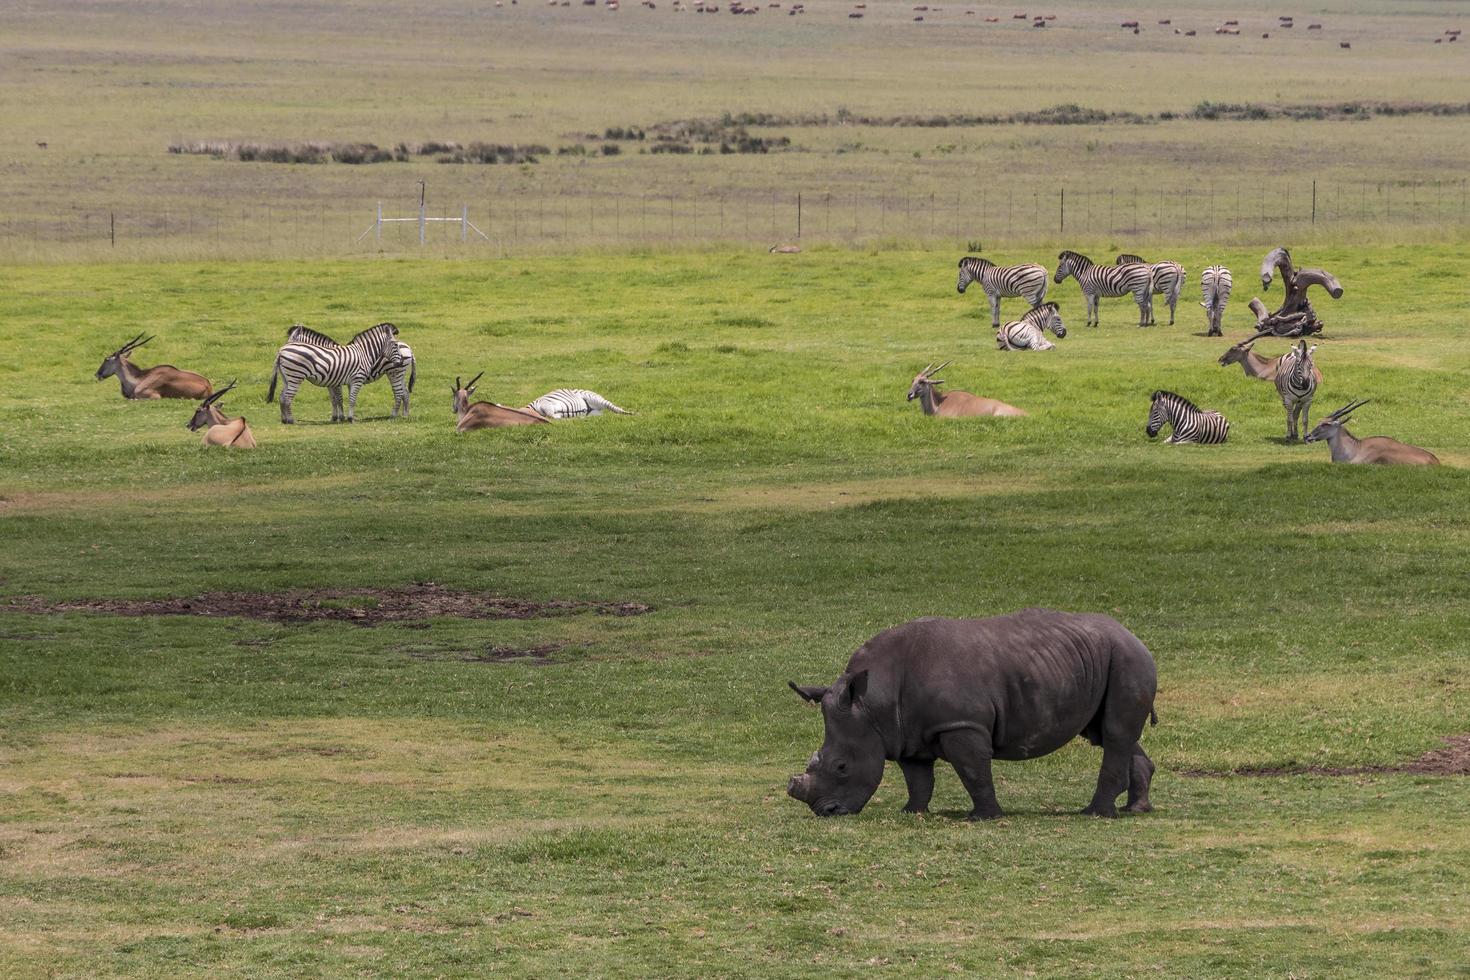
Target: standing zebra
(1028, 281)
(1027, 333)
(1190, 422)
(1296, 383)
(1108, 280)
(573, 403)
(407, 366)
(1166, 280)
(1214, 284)
(369, 354)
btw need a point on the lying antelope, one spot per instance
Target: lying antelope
(1347, 448)
(219, 429)
(487, 415)
(955, 404)
(159, 381)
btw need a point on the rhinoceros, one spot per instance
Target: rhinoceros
(972, 690)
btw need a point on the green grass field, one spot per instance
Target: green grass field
(191, 796)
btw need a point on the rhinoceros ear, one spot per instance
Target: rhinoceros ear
(857, 687)
(809, 693)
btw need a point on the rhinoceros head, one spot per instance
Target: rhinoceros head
(845, 772)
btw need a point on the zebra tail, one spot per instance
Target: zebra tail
(270, 396)
(413, 372)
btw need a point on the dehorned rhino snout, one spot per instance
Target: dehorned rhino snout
(798, 787)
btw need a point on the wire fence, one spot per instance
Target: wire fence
(536, 220)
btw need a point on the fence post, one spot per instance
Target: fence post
(423, 220)
(1314, 202)
(112, 227)
(464, 222)
(798, 215)
(378, 226)
(1063, 225)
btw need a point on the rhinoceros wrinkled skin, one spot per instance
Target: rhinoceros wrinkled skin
(971, 690)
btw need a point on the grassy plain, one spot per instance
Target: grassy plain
(109, 86)
(235, 797)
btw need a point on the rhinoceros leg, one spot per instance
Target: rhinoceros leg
(1140, 776)
(919, 775)
(969, 752)
(1111, 780)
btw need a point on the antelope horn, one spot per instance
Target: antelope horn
(219, 394)
(474, 379)
(1348, 409)
(942, 366)
(130, 344)
(925, 373)
(457, 385)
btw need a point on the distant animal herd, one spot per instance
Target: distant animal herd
(310, 356)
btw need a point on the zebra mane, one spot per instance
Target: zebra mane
(304, 332)
(1176, 399)
(1069, 254)
(976, 260)
(374, 329)
(1036, 313)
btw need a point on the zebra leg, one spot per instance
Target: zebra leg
(336, 392)
(1093, 319)
(994, 310)
(1173, 303)
(1290, 422)
(288, 395)
(353, 387)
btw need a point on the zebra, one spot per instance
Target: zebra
(1166, 280)
(1214, 284)
(1190, 422)
(302, 334)
(573, 403)
(1028, 281)
(1107, 280)
(1027, 332)
(371, 353)
(1296, 383)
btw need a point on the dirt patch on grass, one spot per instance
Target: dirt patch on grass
(539, 655)
(366, 607)
(1451, 760)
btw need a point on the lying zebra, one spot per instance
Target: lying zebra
(1028, 333)
(573, 403)
(1190, 422)
(301, 334)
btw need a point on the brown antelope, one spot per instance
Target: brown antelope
(1347, 448)
(955, 404)
(159, 381)
(1256, 366)
(220, 430)
(487, 415)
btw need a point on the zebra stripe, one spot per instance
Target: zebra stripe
(1098, 281)
(1027, 333)
(352, 364)
(573, 403)
(1166, 279)
(406, 366)
(1190, 422)
(1214, 284)
(1028, 281)
(1296, 383)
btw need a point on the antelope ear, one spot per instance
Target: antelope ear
(808, 693)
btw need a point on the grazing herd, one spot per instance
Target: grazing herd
(310, 356)
(1295, 373)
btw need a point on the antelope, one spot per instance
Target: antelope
(783, 249)
(956, 404)
(220, 430)
(1256, 366)
(487, 415)
(1347, 448)
(159, 381)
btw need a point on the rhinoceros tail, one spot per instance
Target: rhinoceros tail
(1153, 717)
